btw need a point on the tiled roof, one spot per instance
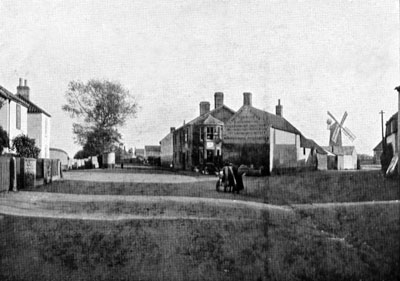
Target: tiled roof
(378, 147)
(275, 121)
(33, 108)
(8, 95)
(309, 143)
(203, 117)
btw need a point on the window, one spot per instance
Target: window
(304, 151)
(201, 134)
(18, 117)
(210, 133)
(45, 126)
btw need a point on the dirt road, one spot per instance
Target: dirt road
(134, 177)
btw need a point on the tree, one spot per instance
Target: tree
(4, 140)
(25, 147)
(100, 108)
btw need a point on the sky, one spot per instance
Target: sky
(314, 56)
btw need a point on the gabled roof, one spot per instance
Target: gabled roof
(378, 147)
(8, 95)
(33, 108)
(309, 143)
(340, 150)
(210, 120)
(201, 118)
(275, 121)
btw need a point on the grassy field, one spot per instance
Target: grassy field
(343, 243)
(308, 242)
(308, 187)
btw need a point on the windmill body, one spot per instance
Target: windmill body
(345, 156)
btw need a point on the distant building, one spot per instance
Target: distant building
(377, 153)
(259, 138)
(13, 115)
(139, 153)
(38, 121)
(391, 133)
(152, 151)
(346, 157)
(56, 153)
(167, 148)
(200, 141)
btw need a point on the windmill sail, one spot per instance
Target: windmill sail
(336, 131)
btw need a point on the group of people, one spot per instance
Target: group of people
(230, 179)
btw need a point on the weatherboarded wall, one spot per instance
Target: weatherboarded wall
(4, 173)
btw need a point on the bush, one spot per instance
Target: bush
(4, 140)
(25, 147)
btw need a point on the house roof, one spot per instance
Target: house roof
(309, 143)
(58, 149)
(275, 121)
(33, 108)
(202, 118)
(378, 147)
(8, 95)
(210, 120)
(340, 150)
(155, 148)
(139, 151)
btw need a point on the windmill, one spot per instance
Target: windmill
(335, 138)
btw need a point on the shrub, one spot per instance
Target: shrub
(25, 147)
(4, 140)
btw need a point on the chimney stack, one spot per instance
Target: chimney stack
(204, 107)
(172, 129)
(247, 98)
(219, 99)
(23, 90)
(278, 109)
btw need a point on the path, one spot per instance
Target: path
(55, 205)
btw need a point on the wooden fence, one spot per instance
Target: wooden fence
(5, 172)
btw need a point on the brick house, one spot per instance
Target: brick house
(262, 139)
(200, 141)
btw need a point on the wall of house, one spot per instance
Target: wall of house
(46, 124)
(13, 131)
(4, 117)
(35, 131)
(167, 150)
(285, 148)
(392, 140)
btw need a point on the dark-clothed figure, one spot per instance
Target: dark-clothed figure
(232, 178)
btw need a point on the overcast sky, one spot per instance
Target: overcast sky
(313, 55)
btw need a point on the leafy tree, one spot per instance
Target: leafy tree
(82, 154)
(100, 108)
(4, 140)
(25, 146)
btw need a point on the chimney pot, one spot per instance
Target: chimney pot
(247, 99)
(204, 107)
(218, 99)
(20, 81)
(25, 84)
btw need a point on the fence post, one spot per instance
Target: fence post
(13, 174)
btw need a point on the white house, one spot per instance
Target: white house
(13, 115)
(167, 148)
(38, 121)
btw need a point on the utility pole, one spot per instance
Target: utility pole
(383, 136)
